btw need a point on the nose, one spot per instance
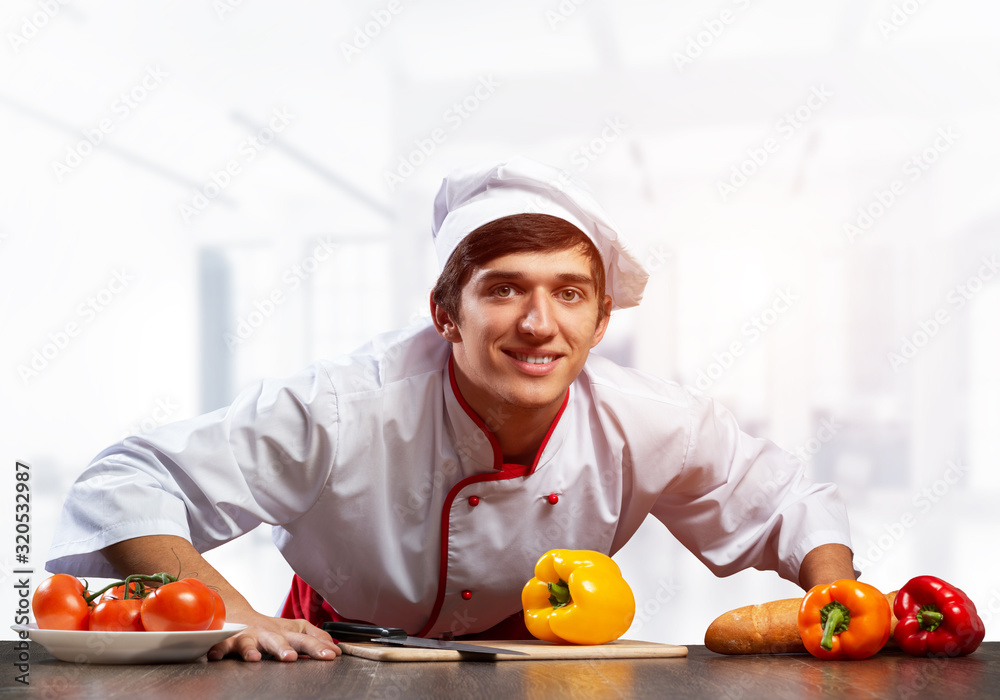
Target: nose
(537, 319)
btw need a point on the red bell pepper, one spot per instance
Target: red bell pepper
(936, 619)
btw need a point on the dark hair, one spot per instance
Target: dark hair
(518, 233)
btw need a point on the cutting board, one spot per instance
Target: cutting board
(535, 650)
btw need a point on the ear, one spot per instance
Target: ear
(602, 326)
(446, 327)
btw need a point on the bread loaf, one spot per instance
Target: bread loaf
(768, 628)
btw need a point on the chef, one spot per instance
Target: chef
(415, 482)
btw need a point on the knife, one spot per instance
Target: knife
(352, 631)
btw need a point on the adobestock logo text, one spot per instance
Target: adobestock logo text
(86, 313)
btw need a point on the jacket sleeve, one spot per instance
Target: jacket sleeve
(210, 479)
(740, 502)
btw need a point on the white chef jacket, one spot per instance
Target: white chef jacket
(389, 496)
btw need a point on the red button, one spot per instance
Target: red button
(552, 498)
(473, 501)
(466, 595)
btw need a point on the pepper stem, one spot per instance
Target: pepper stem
(559, 594)
(929, 617)
(835, 618)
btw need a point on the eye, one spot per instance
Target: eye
(503, 291)
(569, 295)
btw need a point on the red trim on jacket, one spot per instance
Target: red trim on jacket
(494, 443)
(506, 471)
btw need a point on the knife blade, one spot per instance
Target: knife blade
(353, 631)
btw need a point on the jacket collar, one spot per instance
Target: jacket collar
(475, 442)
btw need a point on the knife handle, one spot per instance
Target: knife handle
(361, 631)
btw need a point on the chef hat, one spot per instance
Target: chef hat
(472, 197)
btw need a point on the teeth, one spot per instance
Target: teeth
(532, 359)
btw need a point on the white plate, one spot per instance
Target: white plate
(127, 647)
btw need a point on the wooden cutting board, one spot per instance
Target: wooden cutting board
(535, 650)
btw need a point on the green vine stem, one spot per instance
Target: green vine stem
(141, 580)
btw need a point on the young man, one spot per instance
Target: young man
(415, 482)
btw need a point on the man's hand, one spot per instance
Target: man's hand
(283, 639)
(826, 564)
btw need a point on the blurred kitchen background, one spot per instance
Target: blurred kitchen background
(196, 195)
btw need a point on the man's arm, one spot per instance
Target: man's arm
(826, 564)
(284, 639)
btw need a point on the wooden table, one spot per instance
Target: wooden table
(703, 674)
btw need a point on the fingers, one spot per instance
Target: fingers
(302, 638)
(223, 648)
(243, 644)
(315, 647)
(283, 645)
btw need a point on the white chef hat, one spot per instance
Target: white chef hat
(472, 197)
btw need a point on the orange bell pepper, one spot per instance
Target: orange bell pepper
(844, 619)
(577, 596)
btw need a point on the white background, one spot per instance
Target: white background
(880, 115)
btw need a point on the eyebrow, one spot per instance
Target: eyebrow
(487, 276)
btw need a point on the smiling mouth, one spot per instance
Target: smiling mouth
(533, 359)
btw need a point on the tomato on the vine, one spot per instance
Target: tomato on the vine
(62, 602)
(59, 603)
(113, 615)
(185, 605)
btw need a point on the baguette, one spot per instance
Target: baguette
(769, 628)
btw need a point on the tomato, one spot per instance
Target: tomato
(59, 603)
(185, 605)
(220, 611)
(114, 615)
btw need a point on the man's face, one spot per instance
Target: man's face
(528, 323)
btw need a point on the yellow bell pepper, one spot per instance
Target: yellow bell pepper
(577, 596)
